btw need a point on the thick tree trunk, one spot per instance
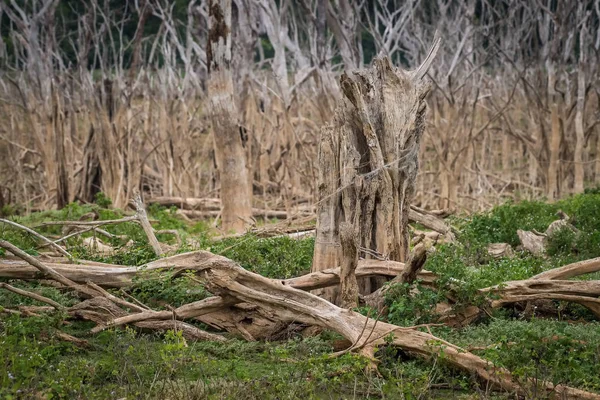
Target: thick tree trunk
(368, 162)
(229, 147)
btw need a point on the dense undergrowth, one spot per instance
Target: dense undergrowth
(125, 363)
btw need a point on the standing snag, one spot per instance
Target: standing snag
(229, 148)
(368, 162)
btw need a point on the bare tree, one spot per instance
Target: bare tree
(237, 209)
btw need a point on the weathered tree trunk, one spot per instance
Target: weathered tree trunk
(62, 178)
(553, 184)
(229, 147)
(368, 161)
(578, 180)
(90, 179)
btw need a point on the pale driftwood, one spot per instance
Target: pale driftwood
(432, 222)
(45, 270)
(225, 277)
(115, 299)
(32, 295)
(233, 284)
(39, 236)
(192, 207)
(91, 290)
(571, 270)
(548, 285)
(81, 232)
(499, 250)
(188, 203)
(143, 218)
(115, 276)
(256, 212)
(96, 245)
(147, 319)
(191, 310)
(132, 218)
(101, 311)
(586, 293)
(408, 274)
(368, 162)
(532, 242)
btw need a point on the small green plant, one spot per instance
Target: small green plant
(561, 242)
(161, 288)
(411, 304)
(278, 258)
(102, 200)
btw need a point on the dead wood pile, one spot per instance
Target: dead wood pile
(255, 307)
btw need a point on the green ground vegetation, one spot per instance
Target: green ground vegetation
(132, 364)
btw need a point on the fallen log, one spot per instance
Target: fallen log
(431, 222)
(232, 284)
(412, 271)
(548, 285)
(571, 270)
(226, 278)
(37, 235)
(187, 203)
(115, 276)
(586, 293)
(193, 207)
(148, 318)
(256, 212)
(330, 277)
(102, 311)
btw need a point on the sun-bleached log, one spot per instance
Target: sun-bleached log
(571, 270)
(112, 275)
(225, 277)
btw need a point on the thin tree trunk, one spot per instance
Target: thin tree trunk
(553, 190)
(579, 130)
(229, 148)
(62, 179)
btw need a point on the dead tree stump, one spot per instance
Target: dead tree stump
(368, 162)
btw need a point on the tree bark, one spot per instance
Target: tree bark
(229, 147)
(368, 162)
(62, 179)
(578, 180)
(553, 183)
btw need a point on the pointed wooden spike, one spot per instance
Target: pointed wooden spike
(420, 72)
